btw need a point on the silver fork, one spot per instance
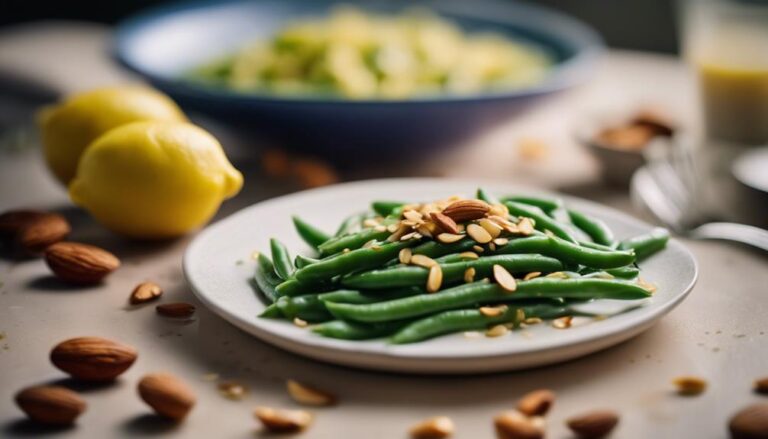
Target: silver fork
(667, 187)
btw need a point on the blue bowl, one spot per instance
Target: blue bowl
(162, 43)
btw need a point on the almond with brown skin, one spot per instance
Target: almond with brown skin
(283, 421)
(593, 425)
(439, 427)
(761, 386)
(178, 310)
(80, 263)
(93, 358)
(515, 425)
(445, 223)
(536, 403)
(750, 423)
(308, 395)
(466, 210)
(39, 233)
(53, 405)
(13, 220)
(145, 292)
(167, 395)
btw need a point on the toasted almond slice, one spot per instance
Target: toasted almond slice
(536, 403)
(525, 226)
(435, 278)
(504, 278)
(308, 395)
(439, 427)
(424, 230)
(407, 236)
(532, 321)
(651, 288)
(496, 331)
(392, 228)
(498, 210)
(370, 222)
(557, 275)
(346, 250)
(380, 228)
(478, 233)
(519, 316)
(145, 292)
(369, 243)
(491, 227)
(423, 261)
(447, 238)
(501, 241)
(562, 322)
(445, 223)
(532, 275)
(300, 323)
(412, 215)
(232, 390)
(493, 311)
(402, 229)
(492, 246)
(469, 275)
(283, 421)
(468, 255)
(690, 385)
(478, 249)
(405, 256)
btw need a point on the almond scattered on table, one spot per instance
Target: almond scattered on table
(53, 405)
(167, 395)
(232, 390)
(593, 425)
(13, 220)
(145, 292)
(536, 403)
(80, 263)
(178, 310)
(514, 425)
(42, 231)
(761, 386)
(439, 427)
(690, 385)
(283, 421)
(93, 358)
(750, 423)
(309, 395)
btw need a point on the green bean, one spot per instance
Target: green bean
(358, 297)
(308, 308)
(272, 312)
(489, 198)
(351, 224)
(647, 244)
(481, 293)
(352, 242)
(547, 205)
(360, 259)
(626, 272)
(265, 278)
(302, 261)
(435, 249)
(568, 252)
(310, 234)
(543, 222)
(403, 276)
(469, 319)
(385, 208)
(595, 228)
(281, 258)
(346, 330)
(596, 246)
(293, 287)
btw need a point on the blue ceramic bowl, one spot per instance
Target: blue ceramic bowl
(162, 43)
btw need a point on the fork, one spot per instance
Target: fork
(666, 185)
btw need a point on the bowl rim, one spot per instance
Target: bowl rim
(587, 45)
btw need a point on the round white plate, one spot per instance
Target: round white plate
(218, 266)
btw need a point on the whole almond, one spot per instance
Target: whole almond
(515, 425)
(750, 422)
(536, 403)
(145, 292)
(466, 210)
(80, 263)
(439, 427)
(167, 395)
(445, 223)
(176, 310)
(593, 425)
(761, 386)
(309, 395)
(39, 233)
(93, 358)
(13, 220)
(283, 421)
(54, 405)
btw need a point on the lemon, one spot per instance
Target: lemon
(154, 179)
(69, 127)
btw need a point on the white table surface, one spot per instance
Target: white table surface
(720, 332)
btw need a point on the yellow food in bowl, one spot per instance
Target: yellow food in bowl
(359, 56)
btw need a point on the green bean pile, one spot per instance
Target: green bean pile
(411, 272)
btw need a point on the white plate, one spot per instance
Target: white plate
(221, 283)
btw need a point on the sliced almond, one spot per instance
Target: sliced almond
(307, 395)
(145, 292)
(593, 425)
(536, 403)
(532, 275)
(468, 255)
(514, 425)
(498, 210)
(411, 235)
(493, 311)
(469, 275)
(401, 230)
(439, 427)
(445, 223)
(423, 261)
(557, 275)
(501, 241)
(492, 246)
(466, 210)
(412, 215)
(232, 390)
(435, 278)
(478, 249)
(496, 331)
(283, 421)
(405, 256)
(370, 222)
(690, 385)
(562, 322)
(300, 323)
(525, 226)
(532, 321)
(448, 238)
(491, 227)
(424, 230)
(504, 278)
(380, 228)
(479, 234)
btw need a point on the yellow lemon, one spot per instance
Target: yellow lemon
(68, 128)
(154, 179)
